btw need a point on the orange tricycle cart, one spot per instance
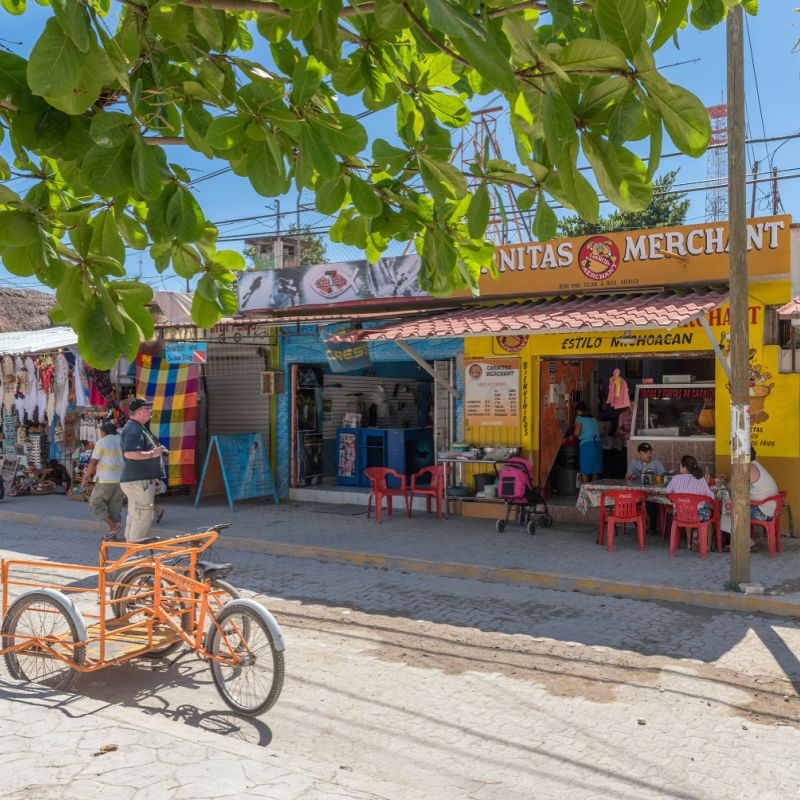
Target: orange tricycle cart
(145, 599)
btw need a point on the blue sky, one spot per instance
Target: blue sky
(772, 86)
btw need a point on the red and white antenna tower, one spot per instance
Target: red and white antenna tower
(717, 172)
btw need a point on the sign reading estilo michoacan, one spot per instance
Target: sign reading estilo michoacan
(636, 259)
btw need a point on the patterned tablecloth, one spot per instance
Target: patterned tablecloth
(589, 495)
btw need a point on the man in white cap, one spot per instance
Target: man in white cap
(142, 469)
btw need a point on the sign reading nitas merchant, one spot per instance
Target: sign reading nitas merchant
(634, 259)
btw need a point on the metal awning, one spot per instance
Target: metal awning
(41, 341)
(587, 313)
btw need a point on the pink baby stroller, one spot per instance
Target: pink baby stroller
(515, 486)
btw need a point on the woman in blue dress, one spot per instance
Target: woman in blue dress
(590, 450)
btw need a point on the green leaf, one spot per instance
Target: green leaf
(621, 175)
(478, 212)
(306, 80)
(131, 231)
(72, 298)
(495, 68)
(208, 26)
(672, 18)
(575, 190)
(623, 22)
(111, 311)
(14, 6)
(314, 146)
(684, 115)
(145, 169)
(225, 133)
(343, 133)
(559, 125)
(133, 292)
(388, 157)
(186, 262)
(330, 195)
(600, 98)
(107, 170)
(137, 313)
(17, 229)
(364, 198)
(585, 55)
(448, 109)
(67, 78)
(156, 222)
(442, 179)
(184, 217)
(74, 21)
(545, 221)
(22, 261)
(110, 129)
(266, 168)
(105, 236)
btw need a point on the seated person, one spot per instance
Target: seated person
(690, 480)
(646, 463)
(762, 485)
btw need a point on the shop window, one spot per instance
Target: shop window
(789, 341)
(774, 327)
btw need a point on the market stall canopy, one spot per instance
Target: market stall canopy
(791, 310)
(20, 342)
(600, 312)
(25, 310)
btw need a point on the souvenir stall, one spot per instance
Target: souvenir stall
(52, 407)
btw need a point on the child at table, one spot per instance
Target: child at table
(690, 480)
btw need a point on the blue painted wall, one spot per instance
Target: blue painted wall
(305, 346)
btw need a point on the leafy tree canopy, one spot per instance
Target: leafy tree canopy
(666, 209)
(110, 87)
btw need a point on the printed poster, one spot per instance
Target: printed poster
(491, 392)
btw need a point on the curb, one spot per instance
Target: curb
(563, 582)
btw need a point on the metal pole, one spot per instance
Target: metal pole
(753, 196)
(774, 191)
(740, 344)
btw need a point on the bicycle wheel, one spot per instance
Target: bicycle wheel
(41, 617)
(135, 591)
(247, 669)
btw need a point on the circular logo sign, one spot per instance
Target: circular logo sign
(512, 344)
(598, 258)
(475, 371)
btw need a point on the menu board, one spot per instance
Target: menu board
(238, 464)
(491, 392)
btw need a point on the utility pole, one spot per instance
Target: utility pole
(740, 343)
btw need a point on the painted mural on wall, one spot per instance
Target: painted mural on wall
(321, 284)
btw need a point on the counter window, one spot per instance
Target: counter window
(674, 410)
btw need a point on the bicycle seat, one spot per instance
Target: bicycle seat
(219, 527)
(207, 570)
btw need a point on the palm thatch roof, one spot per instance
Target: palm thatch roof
(24, 310)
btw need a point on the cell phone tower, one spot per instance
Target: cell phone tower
(717, 172)
(479, 144)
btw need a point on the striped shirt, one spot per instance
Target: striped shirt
(685, 483)
(108, 455)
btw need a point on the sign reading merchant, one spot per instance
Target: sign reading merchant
(491, 392)
(634, 259)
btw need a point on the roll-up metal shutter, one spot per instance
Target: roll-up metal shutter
(232, 389)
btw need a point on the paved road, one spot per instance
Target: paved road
(408, 685)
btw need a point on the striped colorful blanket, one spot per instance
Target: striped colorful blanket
(173, 390)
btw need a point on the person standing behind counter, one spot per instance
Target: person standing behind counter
(590, 451)
(143, 467)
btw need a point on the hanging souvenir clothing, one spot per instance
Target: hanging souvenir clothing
(32, 395)
(46, 369)
(81, 387)
(101, 390)
(618, 396)
(21, 388)
(61, 386)
(9, 377)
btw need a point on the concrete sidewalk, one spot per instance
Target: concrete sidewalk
(563, 557)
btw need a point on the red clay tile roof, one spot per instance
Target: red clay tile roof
(791, 310)
(560, 315)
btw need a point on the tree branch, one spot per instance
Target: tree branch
(432, 39)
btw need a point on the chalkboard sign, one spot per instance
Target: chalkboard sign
(237, 464)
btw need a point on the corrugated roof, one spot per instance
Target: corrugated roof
(562, 315)
(791, 310)
(37, 341)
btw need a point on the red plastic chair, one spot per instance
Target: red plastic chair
(772, 527)
(685, 514)
(627, 505)
(428, 483)
(380, 489)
